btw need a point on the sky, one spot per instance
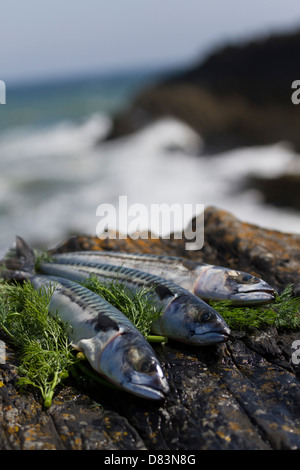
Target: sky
(41, 40)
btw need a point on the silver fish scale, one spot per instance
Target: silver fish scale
(208, 282)
(129, 275)
(188, 319)
(115, 254)
(95, 303)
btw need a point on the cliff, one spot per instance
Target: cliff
(240, 95)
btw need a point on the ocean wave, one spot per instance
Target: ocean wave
(53, 179)
(62, 138)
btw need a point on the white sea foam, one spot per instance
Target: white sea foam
(61, 139)
(53, 180)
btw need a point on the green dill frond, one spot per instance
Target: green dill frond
(41, 256)
(288, 309)
(43, 347)
(45, 354)
(138, 306)
(283, 312)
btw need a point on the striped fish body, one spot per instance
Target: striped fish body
(185, 317)
(81, 310)
(168, 267)
(206, 281)
(110, 342)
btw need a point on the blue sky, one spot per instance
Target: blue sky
(70, 37)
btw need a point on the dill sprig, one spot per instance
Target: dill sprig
(41, 256)
(44, 350)
(138, 306)
(283, 313)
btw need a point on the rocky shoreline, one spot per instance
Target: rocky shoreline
(237, 96)
(242, 395)
(280, 191)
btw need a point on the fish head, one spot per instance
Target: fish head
(129, 361)
(218, 283)
(190, 320)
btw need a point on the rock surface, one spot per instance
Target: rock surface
(241, 395)
(281, 191)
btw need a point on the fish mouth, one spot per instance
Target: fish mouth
(216, 336)
(211, 337)
(147, 391)
(255, 296)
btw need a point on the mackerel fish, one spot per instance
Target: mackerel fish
(206, 281)
(111, 343)
(184, 317)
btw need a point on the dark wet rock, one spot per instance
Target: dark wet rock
(240, 95)
(280, 191)
(258, 69)
(241, 395)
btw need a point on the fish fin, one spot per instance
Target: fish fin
(90, 349)
(19, 263)
(25, 255)
(163, 291)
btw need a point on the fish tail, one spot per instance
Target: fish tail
(19, 263)
(25, 255)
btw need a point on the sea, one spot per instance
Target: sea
(58, 175)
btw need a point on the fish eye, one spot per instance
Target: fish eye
(206, 316)
(248, 279)
(146, 366)
(241, 278)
